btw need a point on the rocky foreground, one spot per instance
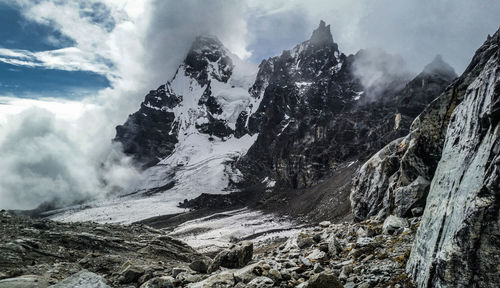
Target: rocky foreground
(42, 253)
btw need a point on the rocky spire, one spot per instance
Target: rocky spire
(322, 35)
(439, 66)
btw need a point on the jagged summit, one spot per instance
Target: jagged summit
(439, 66)
(321, 35)
(203, 42)
(208, 57)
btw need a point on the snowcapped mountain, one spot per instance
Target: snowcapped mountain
(221, 125)
(184, 132)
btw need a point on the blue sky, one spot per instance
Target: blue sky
(72, 49)
(16, 32)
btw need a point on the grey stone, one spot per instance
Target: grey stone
(324, 279)
(201, 265)
(159, 282)
(177, 270)
(261, 282)
(304, 240)
(235, 257)
(131, 273)
(457, 242)
(25, 281)
(82, 279)
(407, 197)
(393, 223)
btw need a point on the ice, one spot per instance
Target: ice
(218, 230)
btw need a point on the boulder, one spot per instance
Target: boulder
(201, 265)
(236, 256)
(394, 223)
(159, 282)
(130, 273)
(82, 279)
(261, 282)
(304, 240)
(323, 280)
(25, 281)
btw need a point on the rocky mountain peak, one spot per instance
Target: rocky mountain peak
(321, 35)
(440, 67)
(208, 57)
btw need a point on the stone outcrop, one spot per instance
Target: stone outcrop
(458, 241)
(448, 164)
(315, 114)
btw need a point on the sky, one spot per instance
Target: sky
(70, 71)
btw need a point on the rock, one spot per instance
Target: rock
(417, 211)
(82, 279)
(410, 196)
(316, 255)
(200, 265)
(334, 246)
(325, 224)
(25, 281)
(365, 241)
(285, 275)
(393, 223)
(159, 282)
(247, 273)
(235, 257)
(304, 240)
(274, 274)
(220, 280)
(317, 268)
(305, 261)
(261, 282)
(457, 242)
(130, 273)
(324, 279)
(178, 270)
(186, 277)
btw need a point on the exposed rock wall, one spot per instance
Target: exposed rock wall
(458, 240)
(416, 156)
(455, 144)
(315, 114)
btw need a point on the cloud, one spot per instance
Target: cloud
(68, 59)
(379, 71)
(139, 44)
(42, 162)
(416, 30)
(66, 160)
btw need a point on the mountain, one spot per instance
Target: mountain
(447, 168)
(299, 119)
(185, 131)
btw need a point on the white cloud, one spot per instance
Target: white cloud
(139, 44)
(69, 59)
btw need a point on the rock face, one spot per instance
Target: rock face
(315, 114)
(205, 96)
(449, 165)
(297, 119)
(397, 176)
(459, 237)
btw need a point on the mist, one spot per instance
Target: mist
(139, 45)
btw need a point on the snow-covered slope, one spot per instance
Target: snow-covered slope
(184, 136)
